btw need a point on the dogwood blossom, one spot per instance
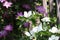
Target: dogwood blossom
(7, 4)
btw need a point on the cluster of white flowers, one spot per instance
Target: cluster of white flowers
(53, 29)
(53, 37)
(39, 28)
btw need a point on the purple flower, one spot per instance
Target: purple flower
(5, 15)
(40, 9)
(26, 24)
(19, 14)
(26, 6)
(3, 33)
(2, 1)
(8, 27)
(7, 4)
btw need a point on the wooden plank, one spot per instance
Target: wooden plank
(45, 4)
(51, 8)
(58, 10)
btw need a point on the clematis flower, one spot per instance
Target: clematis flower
(26, 24)
(5, 15)
(26, 6)
(40, 9)
(2, 1)
(3, 33)
(27, 14)
(8, 27)
(19, 14)
(53, 37)
(7, 4)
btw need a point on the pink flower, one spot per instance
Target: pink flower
(2, 1)
(8, 27)
(7, 4)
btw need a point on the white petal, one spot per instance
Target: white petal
(46, 19)
(40, 27)
(25, 14)
(34, 29)
(27, 33)
(29, 13)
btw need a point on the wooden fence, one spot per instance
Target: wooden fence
(51, 8)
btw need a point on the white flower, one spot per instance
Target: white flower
(36, 29)
(27, 33)
(27, 14)
(33, 31)
(40, 27)
(46, 19)
(53, 30)
(53, 37)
